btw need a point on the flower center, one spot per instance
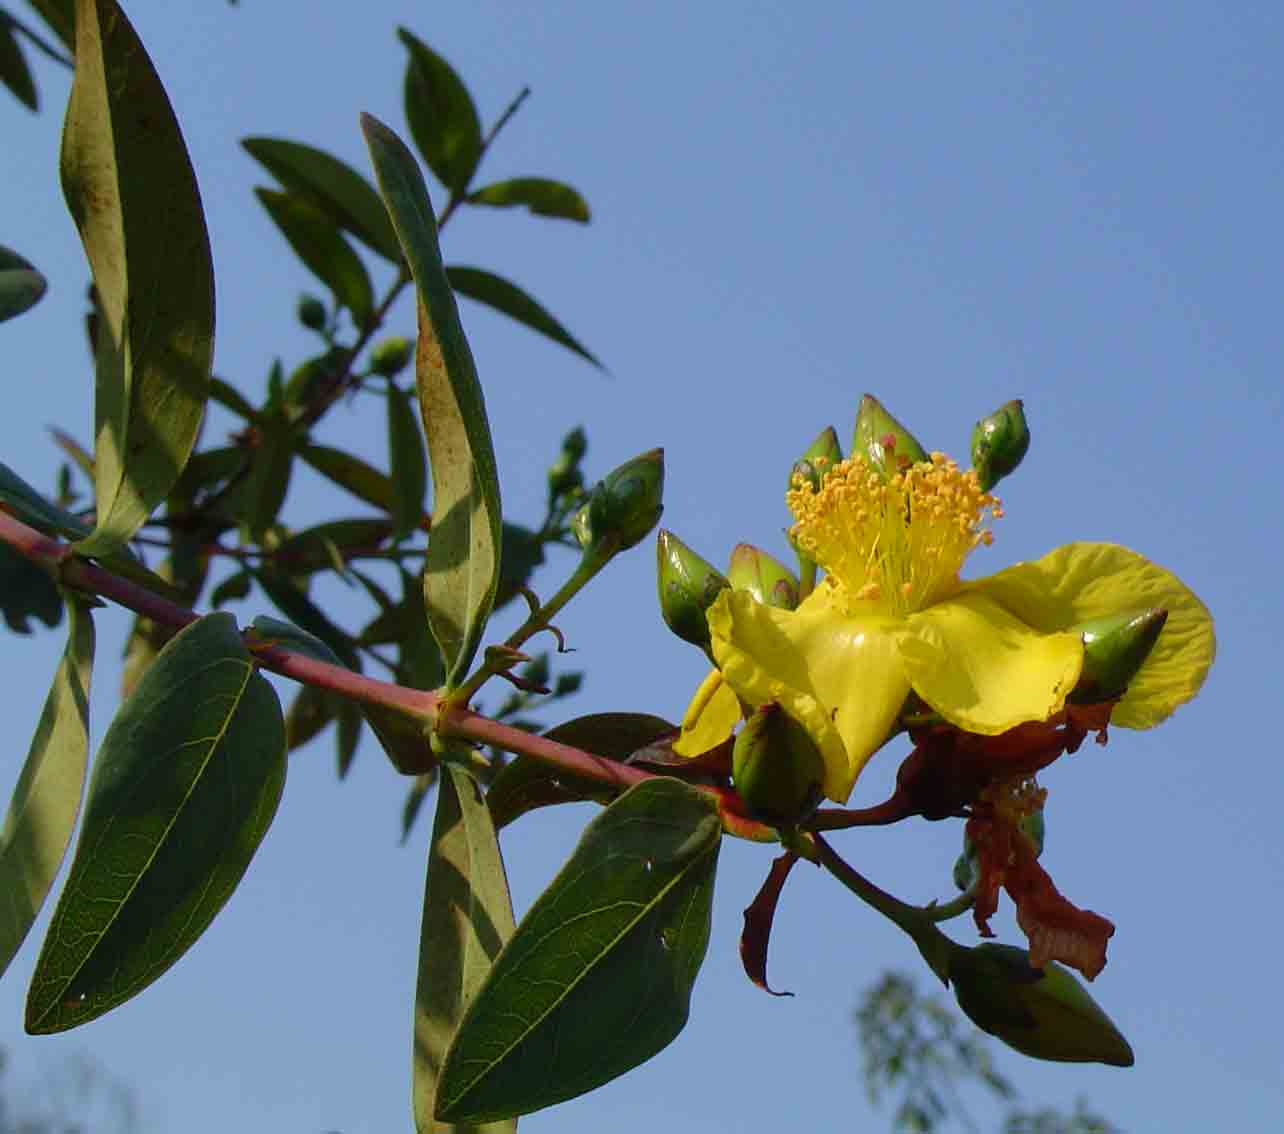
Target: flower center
(897, 542)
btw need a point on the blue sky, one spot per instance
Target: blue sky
(947, 206)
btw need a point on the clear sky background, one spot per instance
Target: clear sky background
(945, 205)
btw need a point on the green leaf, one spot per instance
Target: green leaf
(229, 397)
(509, 299)
(34, 510)
(351, 472)
(321, 247)
(26, 591)
(21, 285)
(543, 197)
(409, 468)
(184, 787)
(60, 15)
(309, 622)
(308, 715)
(442, 116)
(42, 814)
(132, 192)
(336, 188)
(347, 733)
(14, 72)
(325, 545)
(598, 976)
(467, 918)
(461, 571)
(525, 784)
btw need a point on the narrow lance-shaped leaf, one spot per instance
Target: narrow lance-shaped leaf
(442, 116)
(21, 285)
(321, 247)
(184, 787)
(467, 918)
(461, 571)
(349, 471)
(38, 826)
(409, 470)
(130, 187)
(598, 976)
(336, 188)
(544, 198)
(14, 72)
(509, 299)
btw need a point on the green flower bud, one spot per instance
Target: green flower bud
(687, 587)
(1044, 1013)
(999, 442)
(1114, 648)
(818, 458)
(882, 442)
(763, 576)
(575, 444)
(564, 476)
(624, 507)
(776, 767)
(391, 356)
(311, 312)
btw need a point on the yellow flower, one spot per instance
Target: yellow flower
(891, 615)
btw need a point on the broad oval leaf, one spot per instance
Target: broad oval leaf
(42, 814)
(336, 188)
(598, 976)
(509, 299)
(544, 197)
(409, 468)
(26, 591)
(184, 787)
(467, 918)
(442, 116)
(461, 570)
(130, 187)
(321, 247)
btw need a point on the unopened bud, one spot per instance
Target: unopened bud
(776, 767)
(882, 442)
(763, 576)
(575, 444)
(999, 442)
(1114, 648)
(311, 312)
(687, 586)
(391, 356)
(1044, 1013)
(624, 506)
(818, 458)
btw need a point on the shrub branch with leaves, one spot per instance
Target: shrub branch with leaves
(812, 671)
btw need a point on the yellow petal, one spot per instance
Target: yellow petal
(984, 670)
(711, 717)
(837, 676)
(1081, 581)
